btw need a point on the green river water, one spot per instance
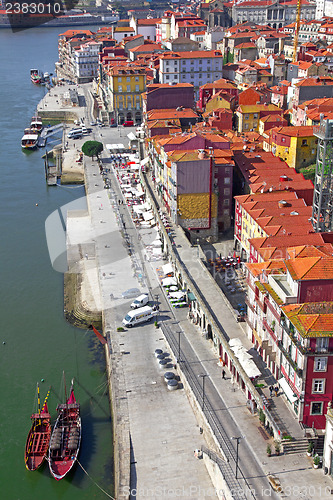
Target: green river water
(35, 341)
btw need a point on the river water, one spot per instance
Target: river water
(35, 341)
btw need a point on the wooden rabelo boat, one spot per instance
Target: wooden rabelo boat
(38, 440)
(66, 438)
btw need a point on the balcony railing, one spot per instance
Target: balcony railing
(287, 355)
(270, 330)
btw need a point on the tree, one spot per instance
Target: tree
(92, 148)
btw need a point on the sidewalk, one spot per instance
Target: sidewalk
(295, 471)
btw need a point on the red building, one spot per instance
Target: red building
(291, 325)
(209, 89)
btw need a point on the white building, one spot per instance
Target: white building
(195, 67)
(85, 61)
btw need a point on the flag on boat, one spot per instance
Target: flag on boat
(99, 336)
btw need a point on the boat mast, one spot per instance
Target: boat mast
(38, 401)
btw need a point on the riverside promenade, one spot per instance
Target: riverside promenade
(156, 431)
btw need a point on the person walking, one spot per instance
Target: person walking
(271, 388)
(276, 389)
(223, 374)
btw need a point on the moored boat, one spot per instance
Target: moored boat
(38, 439)
(30, 140)
(36, 124)
(66, 438)
(36, 77)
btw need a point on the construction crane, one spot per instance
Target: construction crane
(298, 20)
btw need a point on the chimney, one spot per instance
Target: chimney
(201, 154)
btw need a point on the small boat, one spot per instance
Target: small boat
(30, 140)
(36, 124)
(36, 77)
(66, 438)
(38, 438)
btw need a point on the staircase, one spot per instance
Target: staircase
(298, 446)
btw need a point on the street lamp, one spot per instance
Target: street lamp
(156, 306)
(178, 346)
(198, 241)
(203, 375)
(238, 438)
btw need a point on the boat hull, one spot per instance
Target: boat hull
(65, 440)
(37, 444)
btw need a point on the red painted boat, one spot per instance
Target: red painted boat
(39, 437)
(66, 438)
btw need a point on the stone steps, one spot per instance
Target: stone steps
(297, 446)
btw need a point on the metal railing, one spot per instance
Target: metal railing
(211, 416)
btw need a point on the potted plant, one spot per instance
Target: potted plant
(262, 417)
(310, 449)
(277, 446)
(269, 450)
(273, 325)
(156, 324)
(316, 461)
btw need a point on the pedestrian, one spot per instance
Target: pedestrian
(276, 389)
(223, 374)
(86, 256)
(119, 202)
(124, 225)
(271, 388)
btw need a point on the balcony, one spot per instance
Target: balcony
(261, 305)
(250, 305)
(288, 357)
(270, 330)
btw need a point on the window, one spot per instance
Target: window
(246, 116)
(120, 88)
(167, 77)
(225, 211)
(304, 142)
(128, 78)
(119, 79)
(246, 126)
(322, 344)
(318, 386)
(136, 78)
(227, 180)
(128, 88)
(320, 365)
(200, 75)
(316, 408)
(226, 202)
(255, 116)
(136, 88)
(226, 191)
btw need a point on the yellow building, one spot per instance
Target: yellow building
(125, 84)
(297, 146)
(248, 116)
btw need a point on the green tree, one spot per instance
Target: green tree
(92, 148)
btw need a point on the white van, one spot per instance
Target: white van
(140, 301)
(73, 132)
(140, 315)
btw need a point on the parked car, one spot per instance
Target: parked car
(131, 293)
(128, 123)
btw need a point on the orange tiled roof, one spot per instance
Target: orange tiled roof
(311, 268)
(312, 319)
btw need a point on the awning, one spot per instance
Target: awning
(147, 216)
(144, 161)
(169, 281)
(287, 390)
(167, 269)
(176, 295)
(191, 296)
(250, 368)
